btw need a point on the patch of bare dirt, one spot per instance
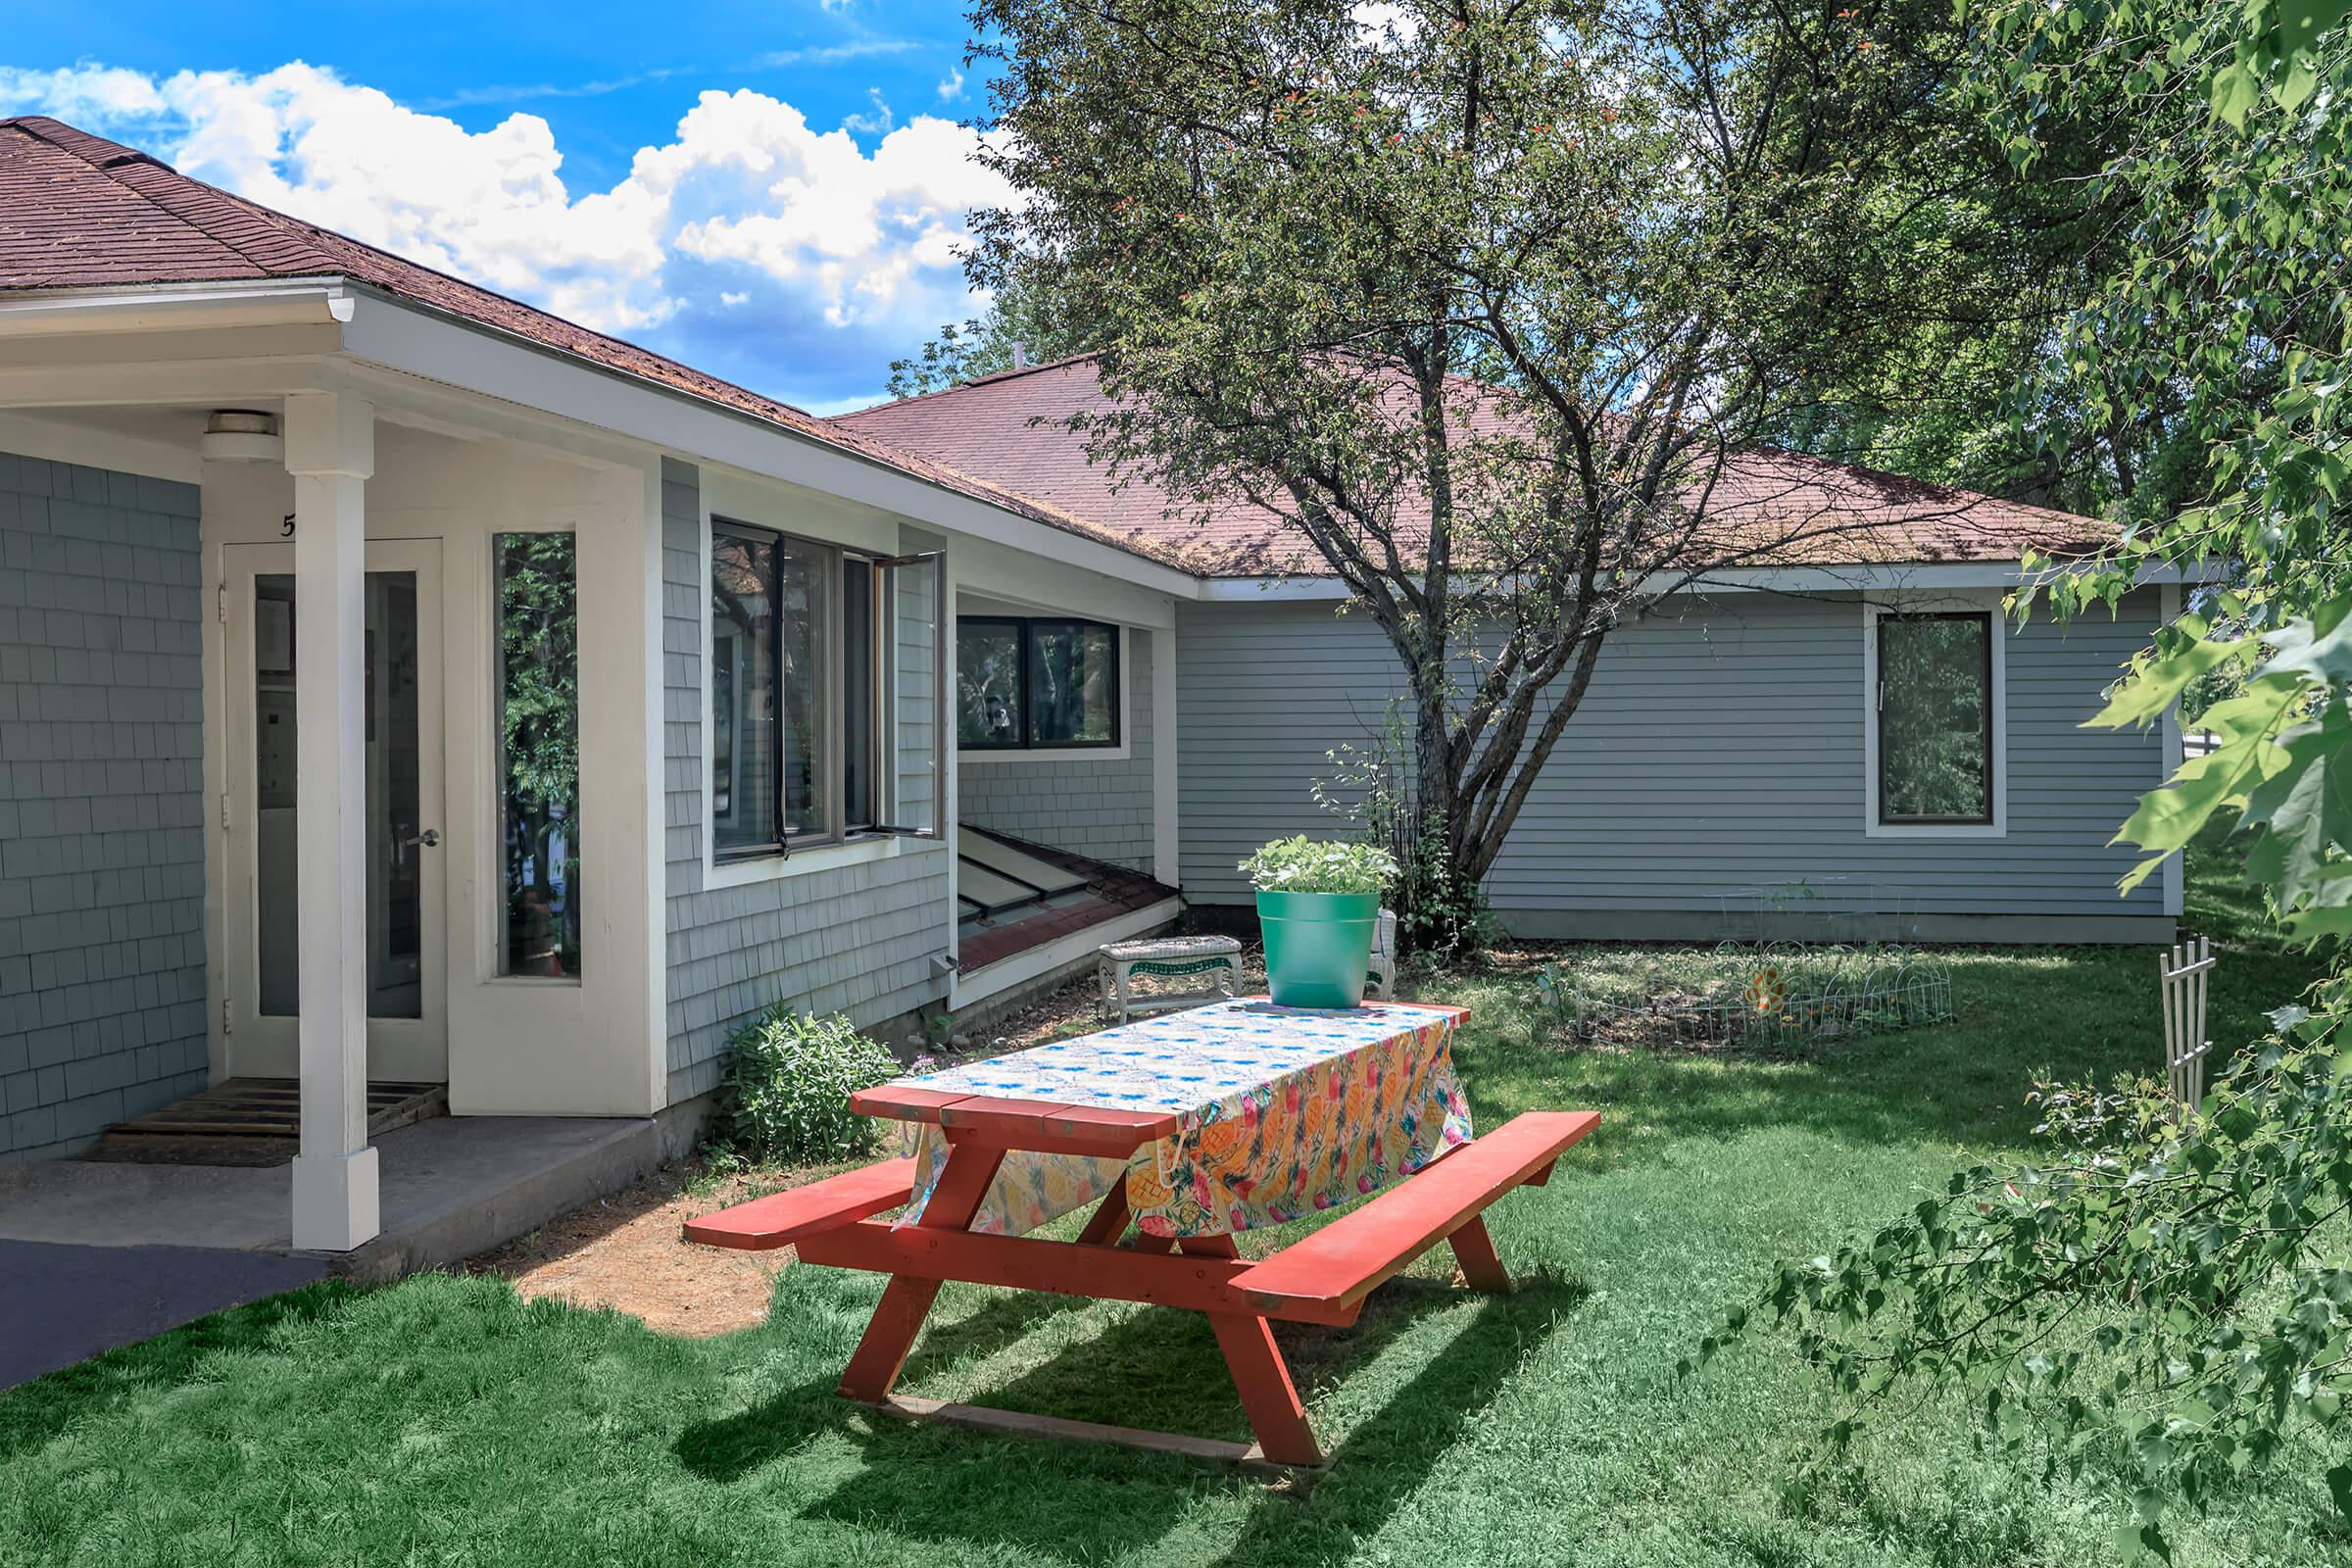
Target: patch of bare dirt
(624, 1251)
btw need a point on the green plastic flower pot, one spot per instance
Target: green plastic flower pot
(1318, 945)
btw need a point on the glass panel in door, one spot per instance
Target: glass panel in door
(394, 807)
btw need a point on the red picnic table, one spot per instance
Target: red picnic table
(1185, 1129)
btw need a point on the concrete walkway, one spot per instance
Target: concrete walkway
(96, 1254)
(60, 1304)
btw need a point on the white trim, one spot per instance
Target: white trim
(1124, 751)
(58, 442)
(744, 870)
(1165, 841)
(2173, 873)
(1981, 604)
(149, 306)
(1020, 967)
(1923, 575)
(405, 337)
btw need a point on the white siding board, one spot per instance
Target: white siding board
(1717, 756)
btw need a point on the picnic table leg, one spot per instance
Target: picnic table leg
(1259, 1375)
(1474, 1256)
(905, 1302)
(1109, 1222)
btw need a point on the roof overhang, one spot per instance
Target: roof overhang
(377, 329)
(176, 307)
(1882, 578)
(400, 335)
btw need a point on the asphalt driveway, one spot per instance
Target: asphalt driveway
(61, 1303)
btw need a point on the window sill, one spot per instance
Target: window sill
(816, 858)
(965, 756)
(1936, 830)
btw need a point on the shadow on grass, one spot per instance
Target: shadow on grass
(1159, 1369)
(37, 1413)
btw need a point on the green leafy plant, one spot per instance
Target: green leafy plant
(1301, 864)
(1439, 913)
(2164, 1302)
(2173, 1301)
(785, 1099)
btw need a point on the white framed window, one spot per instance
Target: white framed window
(822, 681)
(1040, 686)
(1935, 718)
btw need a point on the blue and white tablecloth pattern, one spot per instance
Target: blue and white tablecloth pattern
(1284, 1110)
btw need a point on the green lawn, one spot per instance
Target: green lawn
(441, 1421)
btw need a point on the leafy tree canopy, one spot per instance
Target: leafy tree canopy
(2172, 1296)
(1482, 299)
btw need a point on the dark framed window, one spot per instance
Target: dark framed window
(824, 691)
(1026, 682)
(1936, 718)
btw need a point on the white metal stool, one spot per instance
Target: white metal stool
(1380, 976)
(1168, 958)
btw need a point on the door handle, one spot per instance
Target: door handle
(431, 837)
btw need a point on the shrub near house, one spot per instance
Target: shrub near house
(785, 1099)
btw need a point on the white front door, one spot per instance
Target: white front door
(408, 1027)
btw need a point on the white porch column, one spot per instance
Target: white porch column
(330, 449)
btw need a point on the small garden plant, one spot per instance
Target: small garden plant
(1301, 864)
(1769, 995)
(785, 1099)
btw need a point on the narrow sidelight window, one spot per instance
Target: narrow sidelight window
(1024, 682)
(1934, 717)
(539, 752)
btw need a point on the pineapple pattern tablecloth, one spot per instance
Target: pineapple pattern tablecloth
(1285, 1111)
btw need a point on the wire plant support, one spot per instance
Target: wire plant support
(1756, 996)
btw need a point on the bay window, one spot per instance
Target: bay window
(822, 690)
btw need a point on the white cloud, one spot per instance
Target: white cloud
(877, 123)
(825, 258)
(950, 86)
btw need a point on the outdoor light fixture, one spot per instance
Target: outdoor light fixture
(242, 435)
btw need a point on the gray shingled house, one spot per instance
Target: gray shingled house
(891, 712)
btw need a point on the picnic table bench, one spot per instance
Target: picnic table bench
(1322, 1278)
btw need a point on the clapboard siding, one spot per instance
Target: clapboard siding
(102, 990)
(1102, 808)
(856, 938)
(1716, 765)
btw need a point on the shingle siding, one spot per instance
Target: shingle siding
(855, 939)
(1715, 767)
(102, 989)
(1099, 808)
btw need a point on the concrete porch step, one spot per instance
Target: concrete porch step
(451, 1187)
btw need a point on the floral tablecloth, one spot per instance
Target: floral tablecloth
(1284, 1110)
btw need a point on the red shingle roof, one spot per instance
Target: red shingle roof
(1013, 427)
(77, 211)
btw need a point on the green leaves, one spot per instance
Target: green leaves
(2306, 811)
(2150, 1262)
(2156, 680)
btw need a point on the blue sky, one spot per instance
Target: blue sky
(774, 194)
